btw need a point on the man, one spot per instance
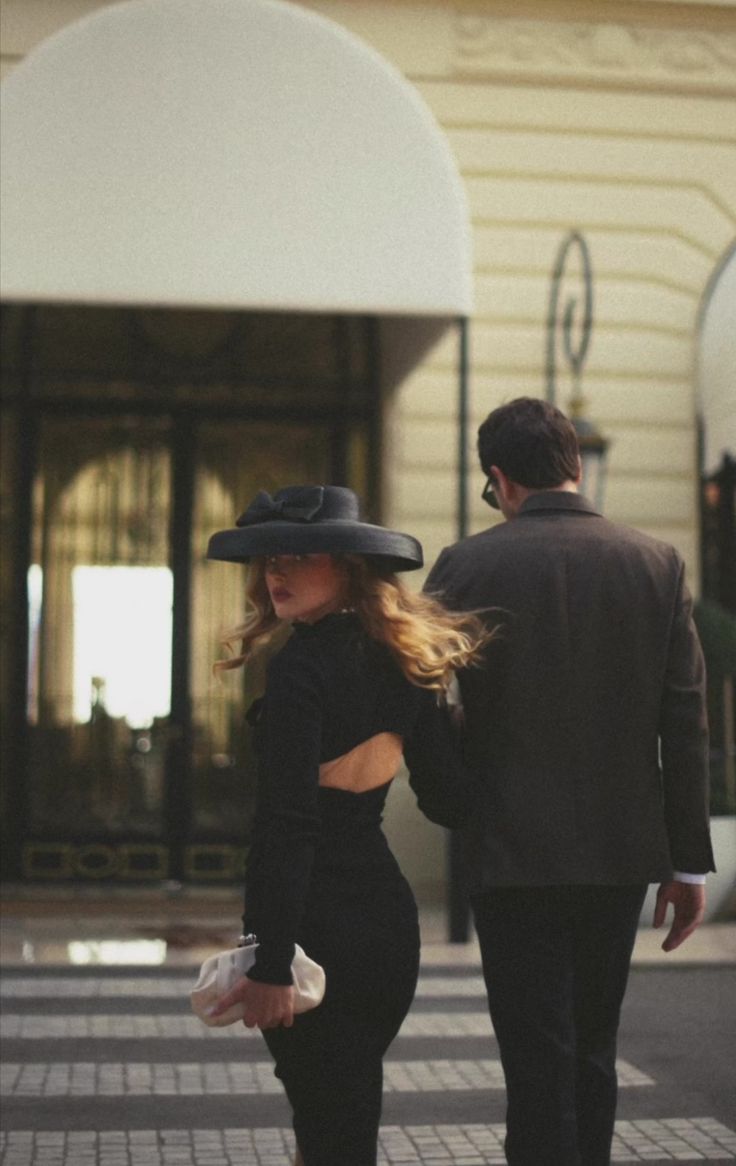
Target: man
(588, 728)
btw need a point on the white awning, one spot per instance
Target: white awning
(224, 153)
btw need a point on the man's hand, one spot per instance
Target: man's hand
(266, 1005)
(688, 900)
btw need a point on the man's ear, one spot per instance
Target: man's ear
(509, 493)
(501, 483)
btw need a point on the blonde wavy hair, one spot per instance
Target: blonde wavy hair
(428, 642)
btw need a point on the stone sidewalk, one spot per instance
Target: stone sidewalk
(104, 1065)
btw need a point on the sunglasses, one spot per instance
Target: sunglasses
(489, 493)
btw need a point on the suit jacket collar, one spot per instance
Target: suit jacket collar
(549, 500)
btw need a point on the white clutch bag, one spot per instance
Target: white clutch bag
(219, 973)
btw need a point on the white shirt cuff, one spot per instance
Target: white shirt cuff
(697, 879)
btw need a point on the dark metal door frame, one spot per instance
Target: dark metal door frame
(177, 808)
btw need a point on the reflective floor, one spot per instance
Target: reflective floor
(179, 927)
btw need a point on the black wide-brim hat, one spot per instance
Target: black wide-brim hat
(309, 520)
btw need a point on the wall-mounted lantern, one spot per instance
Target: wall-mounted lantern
(569, 331)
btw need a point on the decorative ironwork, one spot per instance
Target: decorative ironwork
(566, 320)
(569, 327)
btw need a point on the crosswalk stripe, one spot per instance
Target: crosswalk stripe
(453, 1005)
(434, 987)
(80, 987)
(685, 1139)
(139, 1078)
(94, 987)
(140, 1026)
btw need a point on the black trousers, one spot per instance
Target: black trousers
(366, 936)
(556, 962)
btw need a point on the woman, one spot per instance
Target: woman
(356, 682)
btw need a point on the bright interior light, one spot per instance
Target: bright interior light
(122, 642)
(117, 951)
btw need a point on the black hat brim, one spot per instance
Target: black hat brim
(396, 551)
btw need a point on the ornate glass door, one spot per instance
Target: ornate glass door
(137, 770)
(129, 436)
(233, 461)
(99, 675)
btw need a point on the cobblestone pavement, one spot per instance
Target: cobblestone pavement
(107, 1067)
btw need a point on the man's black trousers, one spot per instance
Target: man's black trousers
(556, 961)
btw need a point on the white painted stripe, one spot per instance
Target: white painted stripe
(431, 987)
(448, 1024)
(184, 1079)
(79, 987)
(684, 1139)
(140, 1026)
(441, 1076)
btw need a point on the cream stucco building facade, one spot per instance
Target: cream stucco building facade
(615, 119)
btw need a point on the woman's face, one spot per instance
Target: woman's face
(304, 587)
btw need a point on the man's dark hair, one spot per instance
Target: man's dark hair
(531, 441)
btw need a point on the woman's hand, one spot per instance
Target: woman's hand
(266, 1005)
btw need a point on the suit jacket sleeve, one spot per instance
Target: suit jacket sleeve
(445, 788)
(683, 732)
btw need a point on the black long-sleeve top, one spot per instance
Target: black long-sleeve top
(330, 688)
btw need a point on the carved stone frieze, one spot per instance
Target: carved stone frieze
(487, 45)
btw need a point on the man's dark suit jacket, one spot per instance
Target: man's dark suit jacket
(588, 724)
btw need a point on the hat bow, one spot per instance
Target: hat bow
(302, 507)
